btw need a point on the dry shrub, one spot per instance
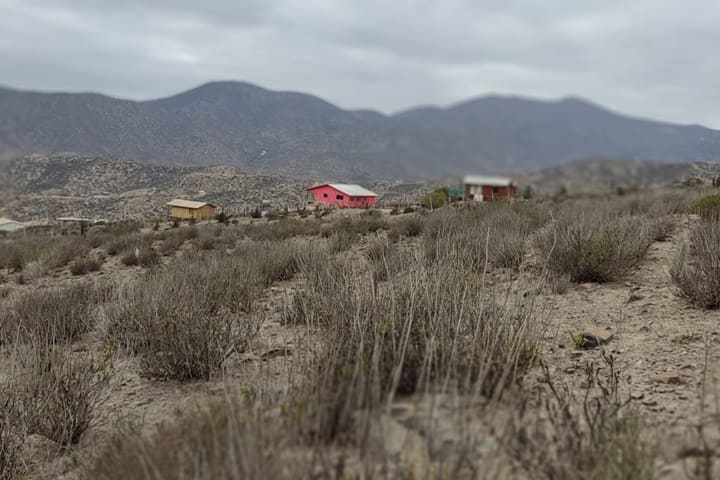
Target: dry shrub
(696, 269)
(493, 234)
(58, 314)
(708, 206)
(410, 226)
(144, 256)
(429, 328)
(49, 252)
(11, 437)
(598, 436)
(57, 394)
(594, 246)
(386, 258)
(174, 238)
(283, 229)
(126, 243)
(231, 438)
(341, 241)
(184, 319)
(83, 265)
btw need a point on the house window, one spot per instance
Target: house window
(339, 197)
(324, 195)
(496, 189)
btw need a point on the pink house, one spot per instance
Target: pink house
(342, 195)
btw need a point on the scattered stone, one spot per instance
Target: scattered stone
(649, 402)
(637, 395)
(634, 297)
(593, 337)
(276, 352)
(669, 378)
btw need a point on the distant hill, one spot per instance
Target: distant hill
(239, 124)
(42, 187)
(597, 174)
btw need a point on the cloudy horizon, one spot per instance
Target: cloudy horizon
(640, 59)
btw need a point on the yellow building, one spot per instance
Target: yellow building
(187, 210)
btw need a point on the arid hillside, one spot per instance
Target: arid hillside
(563, 339)
(289, 133)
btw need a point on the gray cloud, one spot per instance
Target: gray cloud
(638, 57)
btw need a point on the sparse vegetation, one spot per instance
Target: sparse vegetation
(363, 345)
(56, 315)
(707, 206)
(594, 246)
(696, 268)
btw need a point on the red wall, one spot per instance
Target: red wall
(328, 195)
(490, 193)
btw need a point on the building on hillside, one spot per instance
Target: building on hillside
(77, 225)
(480, 188)
(190, 210)
(8, 225)
(342, 195)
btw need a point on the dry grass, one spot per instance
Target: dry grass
(598, 436)
(184, 319)
(492, 235)
(696, 269)
(236, 437)
(57, 395)
(429, 328)
(57, 315)
(50, 253)
(594, 245)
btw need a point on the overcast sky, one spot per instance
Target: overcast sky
(642, 57)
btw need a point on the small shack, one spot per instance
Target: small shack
(8, 225)
(481, 188)
(190, 210)
(342, 195)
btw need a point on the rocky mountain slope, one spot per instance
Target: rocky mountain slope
(599, 174)
(43, 187)
(233, 123)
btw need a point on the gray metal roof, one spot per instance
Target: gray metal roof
(187, 203)
(353, 190)
(483, 180)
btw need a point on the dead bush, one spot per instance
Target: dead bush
(696, 268)
(83, 265)
(282, 229)
(598, 436)
(11, 437)
(594, 246)
(174, 238)
(183, 320)
(57, 395)
(231, 438)
(58, 314)
(492, 235)
(50, 253)
(428, 328)
(411, 226)
(386, 258)
(145, 257)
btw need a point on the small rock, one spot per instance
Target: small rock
(634, 297)
(649, 402)
(637, 395)
(593, 337)
(669, 378)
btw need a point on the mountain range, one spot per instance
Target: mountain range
(242, 125)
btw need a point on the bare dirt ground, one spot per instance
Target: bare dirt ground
(662, 345)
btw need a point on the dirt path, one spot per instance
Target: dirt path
(660, 344)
